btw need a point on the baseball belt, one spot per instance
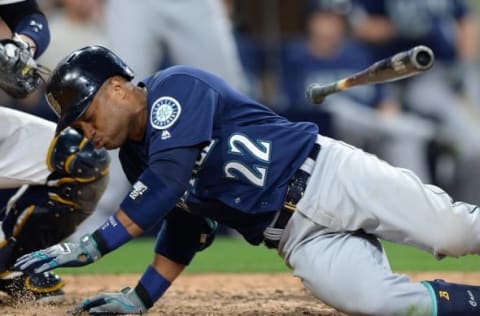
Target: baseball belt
(295, 190)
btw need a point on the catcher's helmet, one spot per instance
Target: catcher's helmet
(77, 78)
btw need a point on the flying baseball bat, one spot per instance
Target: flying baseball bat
(399, 66)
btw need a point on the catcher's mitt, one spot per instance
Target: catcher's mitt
(20, 75)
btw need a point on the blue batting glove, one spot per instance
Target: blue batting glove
(60, 255)
(116, 303)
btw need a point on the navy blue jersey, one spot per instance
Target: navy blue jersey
(249, 153)
(431, 23)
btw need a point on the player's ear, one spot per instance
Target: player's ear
(117, 86)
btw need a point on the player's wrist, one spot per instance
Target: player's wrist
(89, 246)
(151, 287)
(111, 235)
(35, 27)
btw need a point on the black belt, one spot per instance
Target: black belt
(295, 191)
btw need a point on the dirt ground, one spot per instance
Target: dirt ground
(210, 294)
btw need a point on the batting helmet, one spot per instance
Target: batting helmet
(76, 79)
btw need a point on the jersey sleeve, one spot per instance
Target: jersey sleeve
(159, 187)
(182, 112)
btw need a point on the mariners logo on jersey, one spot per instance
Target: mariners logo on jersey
(165, 112)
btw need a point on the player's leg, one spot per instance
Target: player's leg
(401, 139)
(201, 35)
(350, 272)
(351, 190)
(24, 141)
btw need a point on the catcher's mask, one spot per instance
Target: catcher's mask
(78, 77)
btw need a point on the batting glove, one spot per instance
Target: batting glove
(115, 303)
(60, 255)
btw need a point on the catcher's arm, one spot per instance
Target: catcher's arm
(19, 73)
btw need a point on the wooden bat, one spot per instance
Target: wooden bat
(399, 66)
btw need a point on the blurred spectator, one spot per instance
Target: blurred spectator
(250, 51)
(191, 32)
(448, 93)
(365, 116)
(74, 24)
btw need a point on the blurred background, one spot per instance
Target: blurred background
(272, 49)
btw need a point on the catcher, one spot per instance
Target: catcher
(56, 193)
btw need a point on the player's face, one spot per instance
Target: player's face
(107, 120)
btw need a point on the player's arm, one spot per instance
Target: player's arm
(154, 194)
(25, 19)
(181, 236)
(19, 73)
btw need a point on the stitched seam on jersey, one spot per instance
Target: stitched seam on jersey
(433, 297)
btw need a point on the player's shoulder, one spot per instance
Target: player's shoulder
(183, 71)
(182, 78)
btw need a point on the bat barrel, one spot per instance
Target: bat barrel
(421, 57)
(399, 66)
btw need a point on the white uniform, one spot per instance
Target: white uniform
(351, 199)
(24, 142)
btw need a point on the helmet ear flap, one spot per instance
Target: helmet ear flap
(77, 78)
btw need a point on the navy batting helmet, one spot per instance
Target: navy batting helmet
(78, 77)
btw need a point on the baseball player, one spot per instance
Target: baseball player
(199, 152)
(60, 182)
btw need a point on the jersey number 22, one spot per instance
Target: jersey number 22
(239, 144)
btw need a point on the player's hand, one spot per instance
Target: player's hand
(60, 255)
(115, 303)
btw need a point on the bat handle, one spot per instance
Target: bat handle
(316, 93)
